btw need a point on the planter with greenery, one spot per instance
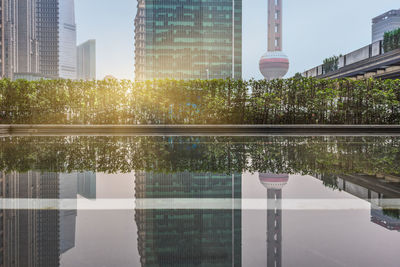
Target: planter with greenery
(291, 101)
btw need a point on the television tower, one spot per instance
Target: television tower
(274, 64)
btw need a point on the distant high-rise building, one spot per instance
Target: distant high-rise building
(38, 39)
(386, 22)
(274, 64)
(20, 52)
(48, 36)
(2, 39)
(185, 39)
(86, 60)
(66, 39)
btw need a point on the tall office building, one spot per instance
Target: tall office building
(86, 60)
(19, 42)
(274, 64)
(38, 39)
(5, 34)
(386, 22)
(188, 237)
(67, 39)
(186, 39)
(47, 28)
(57, 38)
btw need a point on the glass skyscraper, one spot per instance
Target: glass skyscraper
(86, 61)
(37, 39)
(188, 39)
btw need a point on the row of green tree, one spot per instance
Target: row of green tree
(291, 101)
(391, 40)
(331, 64)
(293, 155)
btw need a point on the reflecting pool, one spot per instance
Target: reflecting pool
(199, 201)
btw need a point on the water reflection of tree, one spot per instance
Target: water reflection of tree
(305, 155)
(394, 213)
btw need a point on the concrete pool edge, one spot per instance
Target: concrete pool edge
(225, 130)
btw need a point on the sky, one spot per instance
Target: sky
(312, 30)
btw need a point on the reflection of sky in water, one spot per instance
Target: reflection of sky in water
(364, 236)
(309, 238)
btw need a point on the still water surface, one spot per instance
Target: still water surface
(200, 201)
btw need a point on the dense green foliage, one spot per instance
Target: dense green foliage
(331, 64)
(305, 155)
(291, 101)
(391, 40)
(394, 213)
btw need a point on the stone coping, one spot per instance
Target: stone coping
(191, 130)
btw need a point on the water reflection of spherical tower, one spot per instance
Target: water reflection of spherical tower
(274, 64)
(274, 184)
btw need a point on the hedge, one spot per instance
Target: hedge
(331, 64)
(291, 101)
(391, 40)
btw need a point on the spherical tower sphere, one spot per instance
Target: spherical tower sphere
(274, 65)
(273, 181)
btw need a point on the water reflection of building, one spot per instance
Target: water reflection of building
(68, 188)
(383, 218)
(31, 236)
(374, 190)
(87, 185)
(189, 237)
(274, 184)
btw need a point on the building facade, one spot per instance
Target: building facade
(38, 39)
(86, 61)
(19, 41)
(386, 22)
(188, 39)
(47, 28)
(67, 39)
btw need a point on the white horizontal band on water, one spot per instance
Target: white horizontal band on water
(196, 204)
